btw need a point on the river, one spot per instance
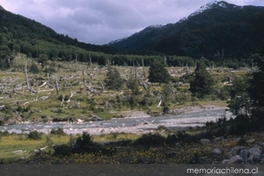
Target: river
(127, 125)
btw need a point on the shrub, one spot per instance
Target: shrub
(171, 139)
(181, 137)
(2, 122)
(49, 142)
(34, 68)
(150, 140)
(34, 135)
(148, 100)
(244, 124)
(134, 100)
(4, 133)
(113, 80)
(165, 110)
(202, 84)
(85, 143)
(62, 150)
(158, 73)
(132, 84)
(58, 131)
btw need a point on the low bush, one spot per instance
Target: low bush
(58, 131)
(181, 137)
(85, 143)
(62, 150)
(35, 135)
(150, 140)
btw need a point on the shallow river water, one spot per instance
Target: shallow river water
(127, 125)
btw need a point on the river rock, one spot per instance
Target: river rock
(217, 151)
(205, 141)
(235, 160)
(217, 139)
(251, 141)
(36, 151)
(261, 144)
(234, 151)
(244, 154)
(256, 151)
(255, 154)
(225, 161)
(238, 139)
(262, 161)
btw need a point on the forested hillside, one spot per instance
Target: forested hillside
(20, 34)
(217, 31)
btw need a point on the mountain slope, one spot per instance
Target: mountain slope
(16, 29)
(218, 30)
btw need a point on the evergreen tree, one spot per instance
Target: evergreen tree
(34, 68)
(256, 89)
(132, 84)
(6, 58)
(252, 120)
(239, 98)
(113, 80)
(158, 73)
(202, 84)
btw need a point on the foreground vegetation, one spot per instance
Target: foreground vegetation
(163, 147)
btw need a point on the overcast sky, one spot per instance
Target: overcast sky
(101, 21)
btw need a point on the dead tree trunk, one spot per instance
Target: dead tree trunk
(62, 99)
(48, 76)
(143, 65)
(83, 76)
(159, 103)
(26, 77)
(27, 81)
(57, 86)
(165, 61)
(76, 58)
(90, 59)
(102, 86)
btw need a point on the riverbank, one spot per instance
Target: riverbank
(190, 109)
(175, 111)
(181, 148)
(134, 122)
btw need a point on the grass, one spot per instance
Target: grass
(10, 144)
(115, 137)
(105, 115)
(215, 103)
(191, 152)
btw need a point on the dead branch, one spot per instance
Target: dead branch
(159, 103)
(42, 85)
(57, 86)
(26, 77)
(62, 99)
(90, 89)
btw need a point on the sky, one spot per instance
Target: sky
(102, 21)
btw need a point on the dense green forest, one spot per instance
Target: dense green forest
(220, 31)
